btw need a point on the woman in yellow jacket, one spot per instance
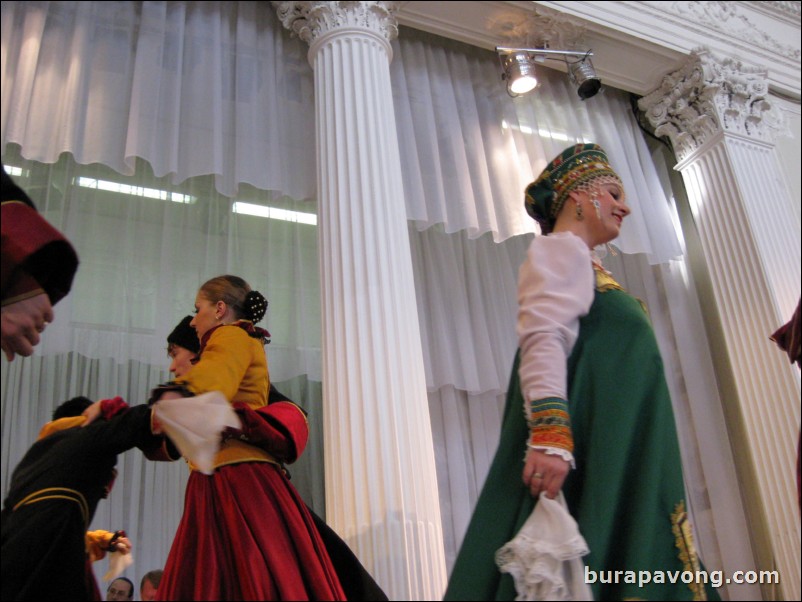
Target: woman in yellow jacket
(245, 534)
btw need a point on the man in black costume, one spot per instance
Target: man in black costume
(54, 493)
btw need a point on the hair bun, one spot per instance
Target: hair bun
(255, 306)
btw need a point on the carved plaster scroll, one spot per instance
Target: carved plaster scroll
(707, 95)
(310, 20)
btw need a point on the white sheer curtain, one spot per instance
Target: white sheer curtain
(469, 150)
(468, 290)
(194, 88)
(142, 260)
(213, 100)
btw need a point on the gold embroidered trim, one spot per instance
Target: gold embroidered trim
(683, 539)
(605, 281)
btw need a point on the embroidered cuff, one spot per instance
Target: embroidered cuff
(549, 424)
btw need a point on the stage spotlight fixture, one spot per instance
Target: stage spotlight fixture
(518, 69)
(584, 77)
(519, 72)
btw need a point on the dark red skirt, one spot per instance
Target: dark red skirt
(247, 535)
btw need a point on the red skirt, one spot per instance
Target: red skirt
(246, 535)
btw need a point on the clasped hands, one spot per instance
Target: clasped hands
(22, 323)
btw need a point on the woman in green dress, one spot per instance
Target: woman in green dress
(588, 409)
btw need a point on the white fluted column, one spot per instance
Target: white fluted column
(381, 484)
(722, 128)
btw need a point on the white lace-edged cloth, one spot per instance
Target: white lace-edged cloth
(195, 425)
(545, 557)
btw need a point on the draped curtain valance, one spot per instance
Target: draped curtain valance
(220, 89)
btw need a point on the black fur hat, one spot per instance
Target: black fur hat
(185, 336)
(72, 407)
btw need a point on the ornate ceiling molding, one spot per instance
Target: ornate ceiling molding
(783, 10)
(634, 42)
(542, 28)
(729, 18)
(708, 95)
(766, 37)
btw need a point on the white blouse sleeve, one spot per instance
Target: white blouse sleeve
(555, 289)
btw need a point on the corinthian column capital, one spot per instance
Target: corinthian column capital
(312, 20)
(708, 95)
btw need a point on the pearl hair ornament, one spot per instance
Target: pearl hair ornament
(255, 306)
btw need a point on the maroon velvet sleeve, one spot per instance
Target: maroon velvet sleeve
(279, 428)
(33, 249)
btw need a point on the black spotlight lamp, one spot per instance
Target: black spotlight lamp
(584, 77)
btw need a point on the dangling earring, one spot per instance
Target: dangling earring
(595, 202)
(579, 216)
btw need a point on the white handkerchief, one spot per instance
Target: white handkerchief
(545, 557)
(195, 424)
(117, 564)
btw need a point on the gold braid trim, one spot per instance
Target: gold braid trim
(683, 539)
(234, 451)
(23, 296)
(62, 493)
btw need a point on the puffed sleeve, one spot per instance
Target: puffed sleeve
(555, 289)
(222, 365)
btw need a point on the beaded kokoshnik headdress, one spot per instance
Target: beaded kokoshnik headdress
(579, 167)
